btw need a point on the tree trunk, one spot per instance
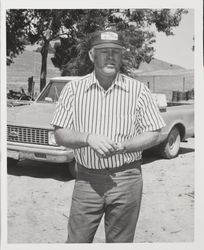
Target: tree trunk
(43, 73)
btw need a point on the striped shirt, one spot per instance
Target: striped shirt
(125, 110)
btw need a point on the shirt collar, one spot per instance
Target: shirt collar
(118, 82)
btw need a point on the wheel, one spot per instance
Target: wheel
(170, 148)
(11, 161)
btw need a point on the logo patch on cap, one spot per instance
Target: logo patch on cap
(109, 36)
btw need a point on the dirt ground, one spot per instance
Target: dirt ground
(39, 197)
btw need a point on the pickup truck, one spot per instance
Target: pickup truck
(30, 135)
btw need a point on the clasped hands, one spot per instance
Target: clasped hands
(103, 146)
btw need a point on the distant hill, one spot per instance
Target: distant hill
(155, 67)
(159, 67)
(157, 64)
(162, 77)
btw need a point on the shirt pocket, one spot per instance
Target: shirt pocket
(124, 126)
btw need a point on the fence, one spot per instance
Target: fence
(167, 84)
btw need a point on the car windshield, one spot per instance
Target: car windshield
(51, 92)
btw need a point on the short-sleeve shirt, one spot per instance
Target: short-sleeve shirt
(124, 111)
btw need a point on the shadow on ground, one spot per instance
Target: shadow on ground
(62, 172)
(152, 155)
(40, 170)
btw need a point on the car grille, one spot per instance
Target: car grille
(27, 135)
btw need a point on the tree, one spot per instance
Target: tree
(74, 28)
(71, 55)
(16, 23)
(49, 25)
(38, 26)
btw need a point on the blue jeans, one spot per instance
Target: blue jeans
(116, 193)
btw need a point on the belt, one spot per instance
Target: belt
(134, 164)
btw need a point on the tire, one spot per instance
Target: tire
(12, 162)
(170, 148)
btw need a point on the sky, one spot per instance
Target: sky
(177, 49)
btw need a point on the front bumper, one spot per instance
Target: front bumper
(20, 151)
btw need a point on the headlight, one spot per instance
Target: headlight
(51, 138)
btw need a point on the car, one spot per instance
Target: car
(179, 119)
(30, 135)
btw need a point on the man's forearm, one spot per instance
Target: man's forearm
(102, 145)
(70, 138)
(141, 142)
(73, 139)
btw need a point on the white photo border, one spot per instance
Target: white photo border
(197, 5)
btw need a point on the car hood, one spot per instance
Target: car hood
(38, 115)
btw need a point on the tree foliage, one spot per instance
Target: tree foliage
(74, 28)
(16, 23)
(71, 55)
(48, 25)
(38, 26)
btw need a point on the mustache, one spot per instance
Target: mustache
(110, 63)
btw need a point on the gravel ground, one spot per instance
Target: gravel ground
(39, 197)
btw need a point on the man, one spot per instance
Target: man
(108, 119)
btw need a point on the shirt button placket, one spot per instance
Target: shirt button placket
(103, 115)
(103, 111)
